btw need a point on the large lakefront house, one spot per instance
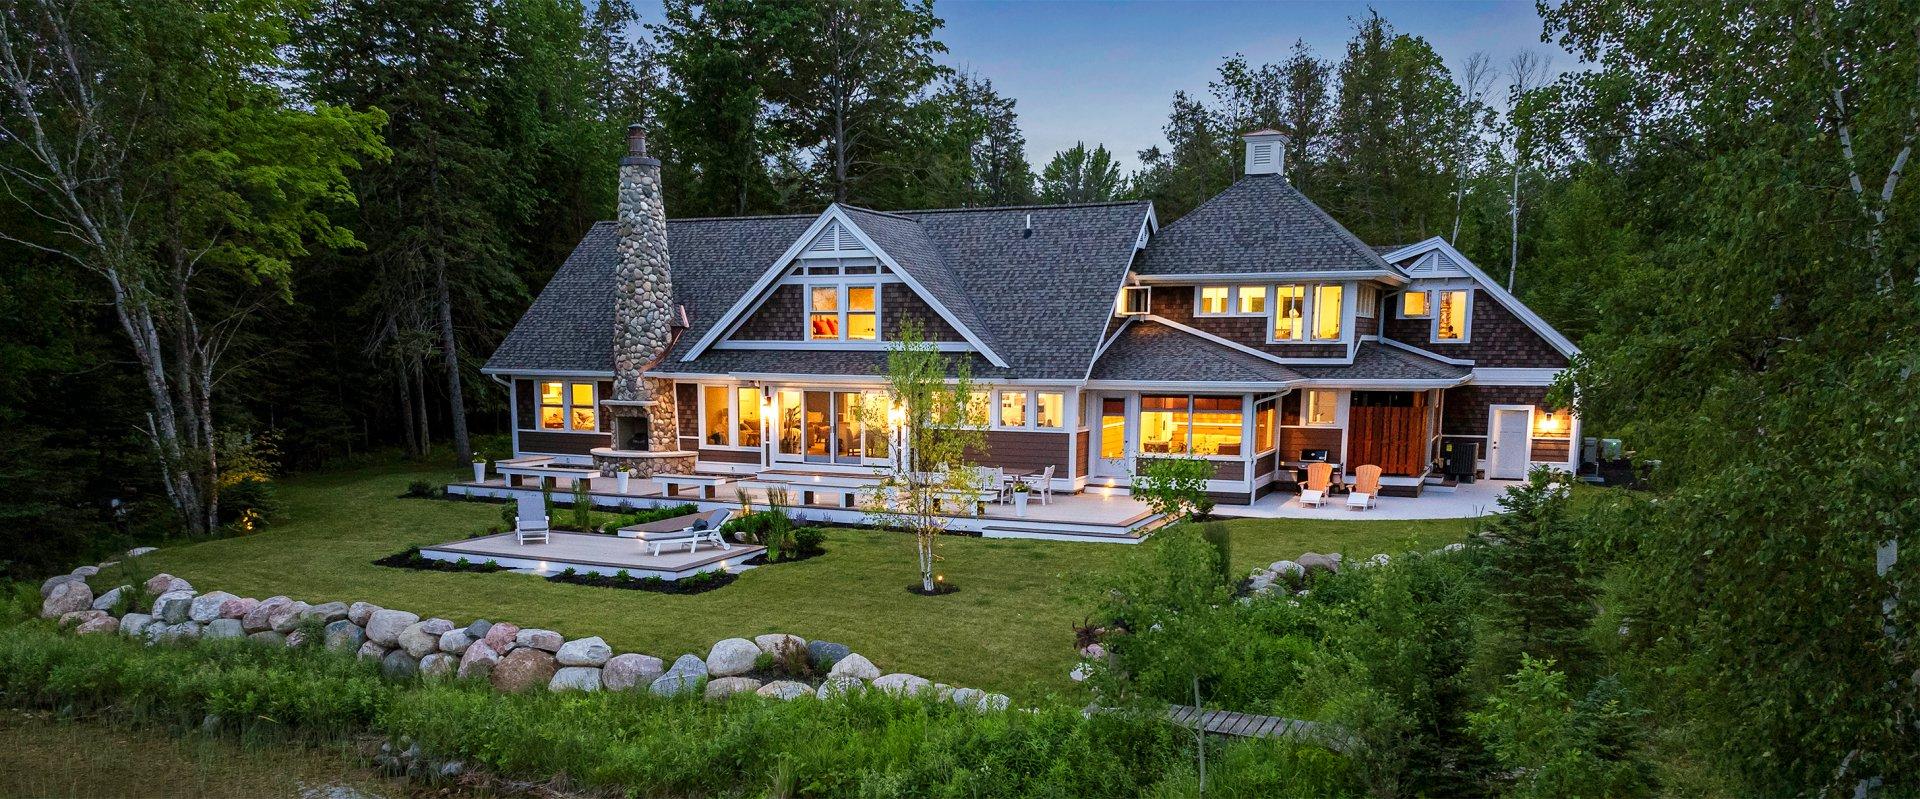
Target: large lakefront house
(1255, 332)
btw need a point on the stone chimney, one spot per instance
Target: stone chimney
(1266, 152)
(641, 410)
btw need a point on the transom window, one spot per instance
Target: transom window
(1179, 424)
(730, 416)
(1295, 305)
(843, 313)
(568, 406)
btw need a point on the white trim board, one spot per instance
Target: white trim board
(1493, 289)
(1389, 278)
(1502, 376)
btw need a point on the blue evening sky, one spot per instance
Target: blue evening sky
(1105, 72)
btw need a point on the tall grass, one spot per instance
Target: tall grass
(867, 746)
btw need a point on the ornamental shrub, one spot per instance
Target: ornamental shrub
(1175, 487)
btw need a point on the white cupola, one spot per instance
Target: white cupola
(1266, 152)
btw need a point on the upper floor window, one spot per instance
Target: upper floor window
(568, 406)
(1230, 301)
(1253, 300)
(1214, 300)
(1323, 407)
(1289, 313)
(1455, 317)
(1413, 305)
(1329, 315)
(843, 313)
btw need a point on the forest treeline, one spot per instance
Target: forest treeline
(247, 237)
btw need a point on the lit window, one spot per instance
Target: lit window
(1049, 410)
(1289, 313)
(1163, 424)
(1253, 299)
(748, 430)
(1327, 311)
(790, 411)
(1013, 409)
(1450, 324)
(1213, 300)
(1322, 406)
(1413, 305)
(719, 416)
(1113, 428)
(823, 316)
(568, 406)
(1216, 425)
(1263, 427)
(862, 318)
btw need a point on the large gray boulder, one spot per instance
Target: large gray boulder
(543, 640)
(478, 629)
(835, 686)
(133, 624)
(731, 657)
(399, 665)
(163, 582)
(385, 626)
(773, 643)
(903, 684)
(455, 642)
(47, 587)
(631, 670)
(575, 678)
(523, 669)
(83, 572)
(98, 625)
(785, 689)
(728, 686)
(183, 631)
(585, 652)
(224, 628)
(327, 612)
(268, 638)
(66, 598)
(287, 617)
(359, 612)
(687, 673)
(967, 697)
(238, 608)
(478, 661)
(344, 636)
(206, 607)
(423, 638)
(1314, 561)
(257, 619)
(173, 607)
(823, 654)
(439, 665)
(372, 650)
(855, 666)
(107, 600)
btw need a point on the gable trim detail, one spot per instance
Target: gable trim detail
(833, 215)
(1493, 289)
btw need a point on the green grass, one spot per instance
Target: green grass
(1010, 628)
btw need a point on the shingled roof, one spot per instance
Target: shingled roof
(1376, 361)
(1040, 300)
(1260, 224)
(1149, 351)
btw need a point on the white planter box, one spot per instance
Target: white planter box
(620, 481)
(480, 472)
(1020, 503)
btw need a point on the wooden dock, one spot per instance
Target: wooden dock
(1248, 725)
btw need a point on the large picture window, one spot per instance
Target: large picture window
(1451, 322)
(730, 416)
(829, 426)
(1328, 311)
(568, 406)
(1179, 424)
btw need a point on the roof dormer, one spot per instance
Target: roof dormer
(1266, 152)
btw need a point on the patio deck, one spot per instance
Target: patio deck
(1465, 501)
(593, 554)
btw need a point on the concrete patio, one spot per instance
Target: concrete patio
(1466, 501)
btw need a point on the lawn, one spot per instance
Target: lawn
(1010, 628)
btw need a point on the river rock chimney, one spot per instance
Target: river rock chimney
(644, 428)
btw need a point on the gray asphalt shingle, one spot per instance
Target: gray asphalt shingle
(1259, 224)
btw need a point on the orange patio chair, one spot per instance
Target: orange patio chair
(1319, 479)
(1366, 488)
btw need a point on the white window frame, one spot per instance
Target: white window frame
(1032, 406)
(1400, 308)
(1233, 301)
(733, 416)
(1124, 306)
(1309, 308)
(1307, 406)
(566, 406)
(1433, 308)
(842, 292)
(1200, 301)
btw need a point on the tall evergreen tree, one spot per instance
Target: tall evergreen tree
(1080, 175)
(1391, 137)
(719, 140)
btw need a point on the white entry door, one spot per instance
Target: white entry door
(1507, 443)
(1113, 450)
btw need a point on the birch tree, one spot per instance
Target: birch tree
(927, 413)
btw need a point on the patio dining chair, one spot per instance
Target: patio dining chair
(993, 482)
(1042, 484)
(1366, 488)
(1319, 480)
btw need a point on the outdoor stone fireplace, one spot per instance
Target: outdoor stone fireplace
(641, 411)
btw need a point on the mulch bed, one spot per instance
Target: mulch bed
(939, 589)
(697, 584)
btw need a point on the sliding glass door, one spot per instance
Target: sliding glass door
(826, 427)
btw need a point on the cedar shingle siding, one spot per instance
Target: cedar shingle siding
(1496, 338)
(1466, 406)
(1023, 449)
(544, 442)
(1176, 303)
(783, 317)
(899, 304)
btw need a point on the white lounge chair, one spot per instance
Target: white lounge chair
(1319, 479)
(1366, 488)
(690, 530)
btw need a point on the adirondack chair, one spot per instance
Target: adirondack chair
(530, 520)
(1319, 479)
(1366, 488)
